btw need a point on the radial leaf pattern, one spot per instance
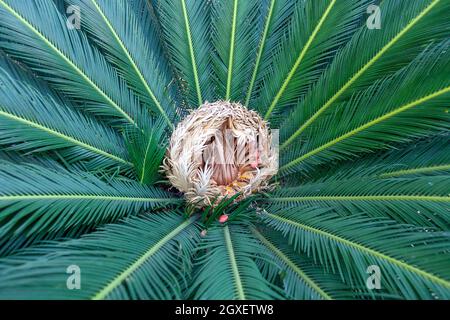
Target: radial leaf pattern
(86, 116)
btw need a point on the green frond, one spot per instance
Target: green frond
(20, 157)
(430, 157)
(276, 15)
(364, 158)
(128, 40)
(317, 29)
(423, 201)
(439, 168)
(15, 242)
(147, 149)
(235, 31)
(35, 199)
(147, 16)
(139, 258)
(302, 279)
(413, 263)
(226, 269)
(34, 119)
(371, 54)
(36, 33)
(186, 33)
(374, 118)
(426, 157)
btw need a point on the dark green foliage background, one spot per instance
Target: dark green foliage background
(86, 115)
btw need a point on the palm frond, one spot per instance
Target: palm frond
(147, 16)
(423, 201)
(276, 16)
(235, 29)
(363, 182)
(426, 157)
(371, 55)
(14, 243)
(147, 149)
(301, 278)
(226, 270)
(186, 32)
(414, 107)
(128, 43)
(429, 157)
(35, 199)
(317, 29)
(36, 33)
(34, 119)
(413, 263)
(139, 258)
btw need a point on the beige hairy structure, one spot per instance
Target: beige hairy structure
(219, 150)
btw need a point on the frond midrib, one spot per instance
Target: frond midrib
(231, 54)
(301, 274)
(69, 62)
(191, 51)
(363, 198)
(372, 61)
(114, 283)
(426, 169)
(299, 60)
(65, 137)
(144, 162)
(367, 250)
(365, 126)
(260, 51)
(233, 263)
(82, 197)
(133, 64)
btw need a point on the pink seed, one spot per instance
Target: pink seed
(223, 218)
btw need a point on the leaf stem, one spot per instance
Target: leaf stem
(191, 52)
(234, 267)
(358, 74)
(299, 59)
(231, 57)
(362, 248)
(117, 281)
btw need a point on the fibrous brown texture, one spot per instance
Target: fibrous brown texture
(219, 150)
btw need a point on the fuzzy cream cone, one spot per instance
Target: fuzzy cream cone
(219, 150)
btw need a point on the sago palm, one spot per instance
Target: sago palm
(107, 173)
